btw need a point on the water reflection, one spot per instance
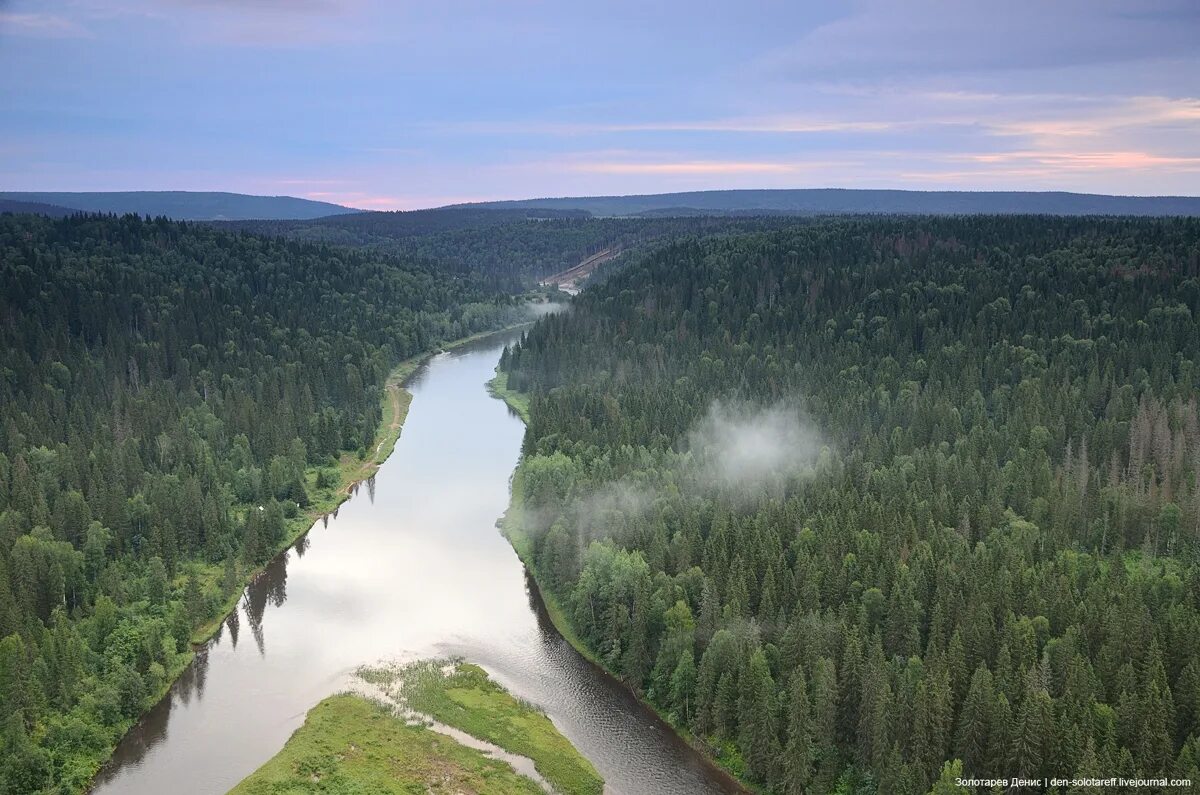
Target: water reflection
(416, 569)
(233, 623)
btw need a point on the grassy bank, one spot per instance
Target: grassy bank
(513, 527)
(325, 494)
(350, 745)
(464, 697)
(517, 401)
(324, 497)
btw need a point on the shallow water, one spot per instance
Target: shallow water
(412, 566)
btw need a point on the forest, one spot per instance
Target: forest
(510, 248)
(860, 505)
(865, 505)
(170, 397)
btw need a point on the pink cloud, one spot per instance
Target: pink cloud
(1086, 160)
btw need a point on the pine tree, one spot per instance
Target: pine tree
(947, 782)
(683, 685)
(156, 581)
(1089, 768)
(974, 722)
(229, 576)
(800, 753)
(1034, 723)
(758, 732)
(195, 605)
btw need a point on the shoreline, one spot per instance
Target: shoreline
(352, 473)
(510, 527)
(422, 702)
(395, 397)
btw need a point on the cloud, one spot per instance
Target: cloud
(609, 509)
(693, 167)
(47, 26)
(1060, 134)
(740, 447)
(283, 6)
(1058, 160)
(749, 124)
(743, 445)
(888, 38)
(373, 201)
(417, 105)
(265, 24)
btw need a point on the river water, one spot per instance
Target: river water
(412, 566)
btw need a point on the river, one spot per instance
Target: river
(412, 566)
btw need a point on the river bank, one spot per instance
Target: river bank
(411, 569)
(325, 498)
(351, 470)
(513, 528)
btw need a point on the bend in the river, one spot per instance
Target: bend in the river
(414, 568)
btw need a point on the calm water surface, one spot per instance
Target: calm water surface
(412, 566)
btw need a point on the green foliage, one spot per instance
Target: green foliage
(509, 249)
(461, 695)
(164, 389)
(351, 746)
(991, 551)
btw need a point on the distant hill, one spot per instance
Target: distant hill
(359, 226)
(819, 201)
(185, 205)
(34, 208)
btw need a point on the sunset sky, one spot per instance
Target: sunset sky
(395, 104)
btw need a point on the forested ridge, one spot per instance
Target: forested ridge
(170, 396)
(980, 557)
(511, 249)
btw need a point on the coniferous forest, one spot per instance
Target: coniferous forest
(865, 504)
(860, 505)
(166, 390)
(599, 398)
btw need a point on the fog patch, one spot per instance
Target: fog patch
(607, 511)
(539, 309)
(741, 445)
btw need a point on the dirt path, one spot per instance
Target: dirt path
(394, 399)
(569, 279)
(398, 400)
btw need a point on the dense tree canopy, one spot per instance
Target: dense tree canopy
(510, 248)
(165, 389)
(977, 547)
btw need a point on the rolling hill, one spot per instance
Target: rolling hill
(823, 201)
(184, 205)
(34, 208)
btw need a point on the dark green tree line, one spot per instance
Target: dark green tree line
(164, 390)
(990, 562)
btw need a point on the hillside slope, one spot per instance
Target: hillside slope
(185, 205)
(819, 201)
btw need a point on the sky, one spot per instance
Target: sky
(392, 104)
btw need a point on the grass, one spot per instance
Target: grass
(350, 745)
(463, 696)
(519, 401)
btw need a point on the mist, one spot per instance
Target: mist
(743, 445)
(734, 448)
